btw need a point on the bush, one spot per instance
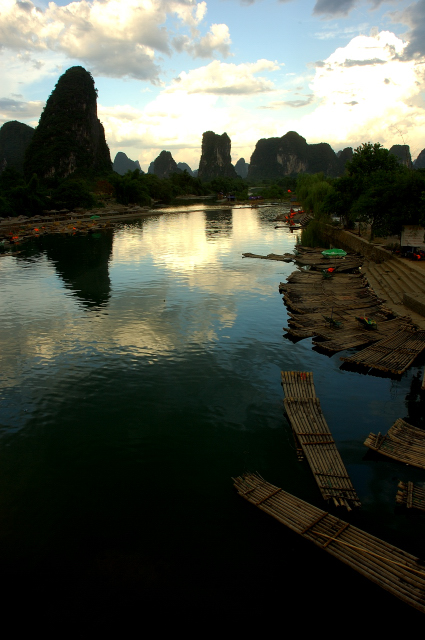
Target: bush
(71, 194)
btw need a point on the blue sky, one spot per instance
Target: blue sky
(337, 71)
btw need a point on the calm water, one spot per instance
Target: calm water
(140, 371)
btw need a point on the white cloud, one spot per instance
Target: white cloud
(220, 78)
(365, 90)
(217, 39)
(114, 38)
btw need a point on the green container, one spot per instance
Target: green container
(334, 253)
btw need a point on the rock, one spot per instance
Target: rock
(346, 155)
(241, 168)
(402, 152)
(164, 165)
(150, 169)
(291, 154)
(215, 159)
(122, 164)
(185, 167)
(420, 160)
(70, 138)
(14, 140)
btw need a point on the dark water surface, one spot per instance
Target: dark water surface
(140, 371)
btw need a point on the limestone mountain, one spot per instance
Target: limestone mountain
(290, 155)
(70, 138)
(402, 152)
(14, 140)
(185, 167)
(346, 155)
(216, 160)
(151, 166)
(420, 160)
(241, 168)
(164, 165)
(122, 164)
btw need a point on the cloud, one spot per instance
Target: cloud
(336, 8)
(414, 17)
(216, 40)
(341, 32)
(114, 38)
(216, 96)
(384, 87)
(296, 104)
(363, 63)
(220, 78)
(12, 109)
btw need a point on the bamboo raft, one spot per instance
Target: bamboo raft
(315, 259)
(403, 443)
(411, 495)
(393, 569)
(393, 354)
(285, 257)
(311, 300)
(314, 440)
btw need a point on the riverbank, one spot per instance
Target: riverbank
(15, 230)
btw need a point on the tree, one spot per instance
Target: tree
(369, 158)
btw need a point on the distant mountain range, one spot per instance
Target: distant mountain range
(14, 140)
(122, 164)
(70, 140)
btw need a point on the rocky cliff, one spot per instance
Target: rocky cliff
(402, 152)
(164, 165)
(122, 164)
(14, 140)
(420, 160)
(70, 138)
(346, 155)
(216, 160)
(290, 155)
(241, 168)
(185, 167)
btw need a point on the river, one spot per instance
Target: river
(140, 371)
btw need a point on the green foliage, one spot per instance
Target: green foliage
(130, 188)
(71, 194)
(235, 186)
(312, 235)
(313, 191)
(376, 190)
(370, 158)
(18, 197)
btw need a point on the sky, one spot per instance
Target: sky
(338, 71)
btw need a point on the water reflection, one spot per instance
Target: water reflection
(218, 223)
(83, 264)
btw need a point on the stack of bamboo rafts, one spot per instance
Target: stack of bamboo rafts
(316, 260)
(391, 568)
(411, 495)
(393, 354)
(327, 309)
(314, 439)
(403, 442)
